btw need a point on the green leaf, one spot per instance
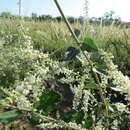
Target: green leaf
(102, 68)
(90, 84)
(88, 122)
(47, 102)
(71, 53)
(73, 116)
(78, 117)
(67, 116)
(77, 32)
(9, 116)
(34, 119)
(89, 45)
(95, 56)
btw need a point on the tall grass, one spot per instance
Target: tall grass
(53, 37)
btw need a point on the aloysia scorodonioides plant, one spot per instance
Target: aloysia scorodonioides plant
(92, 94)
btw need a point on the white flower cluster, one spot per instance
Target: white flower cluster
(28, 41)
(120, 107)
(104, 79)
(99, 127)
(70, 77)
(50, 125)
(22, 92)
(75, 126)
(81, 57)
(24, 37)
(78, 92)
(23, 102)
(115, 124)
(66, 71)
(122, 82)
(28, 84)
(86, 98)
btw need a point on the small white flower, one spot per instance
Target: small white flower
(19, 88)
(25, 92)
(122, 82)
(120, 107)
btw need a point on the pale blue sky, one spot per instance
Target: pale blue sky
(71, 7)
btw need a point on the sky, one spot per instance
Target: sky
(71, 7)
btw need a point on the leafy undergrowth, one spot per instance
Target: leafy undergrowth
(84, 90)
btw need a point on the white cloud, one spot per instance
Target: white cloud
(99, 7)
(71, 7)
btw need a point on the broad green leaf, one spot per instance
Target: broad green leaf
(71, 53)
(78, 117)
(73, 116)
(89, 45)
(101, 67)
(77, 32)
(95, 56)
(9, 116)
(47, 101)
(88, 122)
(67, 116)
(89, 84)
(34, 119)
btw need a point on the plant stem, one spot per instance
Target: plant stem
(67, 22)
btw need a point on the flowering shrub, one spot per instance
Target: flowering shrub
(47, 93)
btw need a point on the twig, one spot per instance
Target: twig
(67, 22)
